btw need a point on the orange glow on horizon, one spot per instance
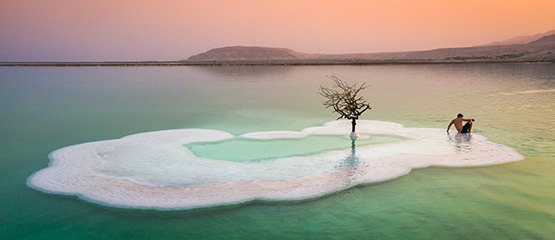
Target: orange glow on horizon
(173, 30)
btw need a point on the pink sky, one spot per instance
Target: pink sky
(69, 30)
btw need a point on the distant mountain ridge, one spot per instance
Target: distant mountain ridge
(521, 39)
(541, 49)
(544, 40)
(239, 53)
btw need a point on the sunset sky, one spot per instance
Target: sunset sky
(119, 30)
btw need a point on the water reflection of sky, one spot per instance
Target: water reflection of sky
(245, 73)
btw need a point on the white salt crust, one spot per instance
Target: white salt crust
(154, 170)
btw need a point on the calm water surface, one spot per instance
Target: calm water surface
(43, 109)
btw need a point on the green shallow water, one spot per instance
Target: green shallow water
(43, 109)
(250, 150)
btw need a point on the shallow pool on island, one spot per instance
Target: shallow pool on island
(249, 150)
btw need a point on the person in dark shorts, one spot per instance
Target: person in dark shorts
(458, 122)
(467, 127)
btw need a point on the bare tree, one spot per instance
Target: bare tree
(343, 98)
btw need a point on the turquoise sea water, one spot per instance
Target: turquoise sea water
(247, 150)
(44, 109)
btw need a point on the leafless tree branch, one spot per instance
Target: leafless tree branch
(342, 97)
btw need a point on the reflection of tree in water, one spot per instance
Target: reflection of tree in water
(348, 166)
(461, 142)
(351, 160)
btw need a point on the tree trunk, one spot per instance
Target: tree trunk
(353, 123)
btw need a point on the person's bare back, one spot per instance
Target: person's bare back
(458, 122)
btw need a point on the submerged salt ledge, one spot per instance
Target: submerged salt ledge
(155, 170)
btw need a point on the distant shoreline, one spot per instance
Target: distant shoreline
(539, 51)
(257, 63)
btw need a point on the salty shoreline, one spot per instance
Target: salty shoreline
(120, 172)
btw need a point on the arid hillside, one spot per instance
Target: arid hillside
(240, 53)
(542, 49)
